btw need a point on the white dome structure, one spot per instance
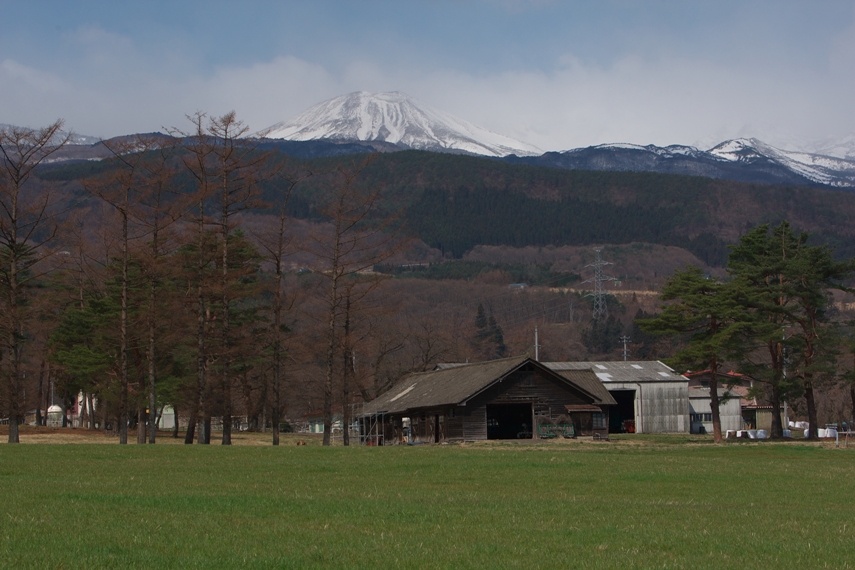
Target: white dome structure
(54, 416)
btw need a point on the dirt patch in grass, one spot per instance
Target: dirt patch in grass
(51, 435)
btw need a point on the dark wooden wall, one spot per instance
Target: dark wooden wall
(529, 386)
(470, 421)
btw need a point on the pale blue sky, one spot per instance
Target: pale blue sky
(555, 74)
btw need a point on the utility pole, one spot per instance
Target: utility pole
(599, 294)
(536, 346)
(625, 340)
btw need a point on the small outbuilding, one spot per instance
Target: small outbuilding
(739, 410)
(512, 398)
(700, 410)
(730, 392)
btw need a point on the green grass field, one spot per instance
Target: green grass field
(663, 504)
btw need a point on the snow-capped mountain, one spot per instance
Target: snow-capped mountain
(818, 168)
(398, 119)
(744, 160)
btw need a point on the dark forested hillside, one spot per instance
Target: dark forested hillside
(456, 202)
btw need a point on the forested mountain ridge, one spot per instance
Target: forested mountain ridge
(456, 202)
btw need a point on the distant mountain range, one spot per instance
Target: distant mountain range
(367, 122)
(742, 160)
(399, 120)
(456, 202)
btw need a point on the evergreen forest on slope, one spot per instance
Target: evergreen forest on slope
(456, 202)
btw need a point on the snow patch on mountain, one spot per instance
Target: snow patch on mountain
(395, 118)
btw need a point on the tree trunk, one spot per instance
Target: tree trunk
(41, 393)
(159, 415)
(226, 340)
(15, 337)
(813, 421)
(191, 429)
(152, 389)
(332, 301)
(123, 396)
(205, 429)
(277, 252)
(90, 405)
(15, 346)
(227, 412)
(277, 335)
(201, 356)
(141, 432)
(328, 416)
(715, 407)
(346, 375)
(175, 422)
(249, 409)
(852, 398)
(777, 431)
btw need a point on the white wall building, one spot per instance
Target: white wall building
(650, 396)
(700, 411)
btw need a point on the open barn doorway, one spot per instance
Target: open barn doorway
(509, 421)
(622, 416)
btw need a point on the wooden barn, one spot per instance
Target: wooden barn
(512, 398)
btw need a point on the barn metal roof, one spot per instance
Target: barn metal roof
(454, 385)
(623, 371)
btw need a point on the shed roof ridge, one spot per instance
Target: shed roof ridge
(479, 363)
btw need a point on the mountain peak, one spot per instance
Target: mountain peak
(395, 117)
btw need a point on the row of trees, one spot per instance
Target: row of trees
(148, 292)
(773, 318)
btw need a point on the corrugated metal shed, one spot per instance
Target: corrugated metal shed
(661, 401)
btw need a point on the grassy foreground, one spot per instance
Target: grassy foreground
(577, 505)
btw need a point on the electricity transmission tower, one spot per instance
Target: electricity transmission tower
(599, 294)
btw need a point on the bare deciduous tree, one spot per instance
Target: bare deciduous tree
(26, 228)
(275, 245)
(121, 188)
(352, 242)
(226, 164)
